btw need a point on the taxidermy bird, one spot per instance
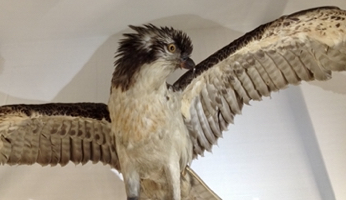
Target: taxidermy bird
(151, 131)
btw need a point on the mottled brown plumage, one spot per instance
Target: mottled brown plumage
(56, 133)
(304, 46)
(294, 23)
(156, 130)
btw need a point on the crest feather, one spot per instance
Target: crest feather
(145, 46)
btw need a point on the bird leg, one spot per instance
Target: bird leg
(132, 185)
(173, 179)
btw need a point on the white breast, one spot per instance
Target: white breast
(148, 127)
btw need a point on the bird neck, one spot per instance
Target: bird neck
(150, 78)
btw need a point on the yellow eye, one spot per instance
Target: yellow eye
(171, 48)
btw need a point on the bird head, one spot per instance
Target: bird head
(168, 47)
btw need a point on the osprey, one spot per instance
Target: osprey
(151, 131)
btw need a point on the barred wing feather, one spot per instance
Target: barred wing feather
(56, 133)
(304, 46)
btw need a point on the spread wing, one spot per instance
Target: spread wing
(56, 133)
(303, 46)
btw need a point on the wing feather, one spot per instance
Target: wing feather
(51, 134)
(307, 45)
(195, 187)
(56, 149)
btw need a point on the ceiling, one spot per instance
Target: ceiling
(289, 146)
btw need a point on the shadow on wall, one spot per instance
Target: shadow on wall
(2, 62)
(92, 82)
(335, 85)
(7, 99)
(309, 140)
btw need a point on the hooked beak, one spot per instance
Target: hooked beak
(187, 63)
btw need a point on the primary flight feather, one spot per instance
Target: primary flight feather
(151, 131)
